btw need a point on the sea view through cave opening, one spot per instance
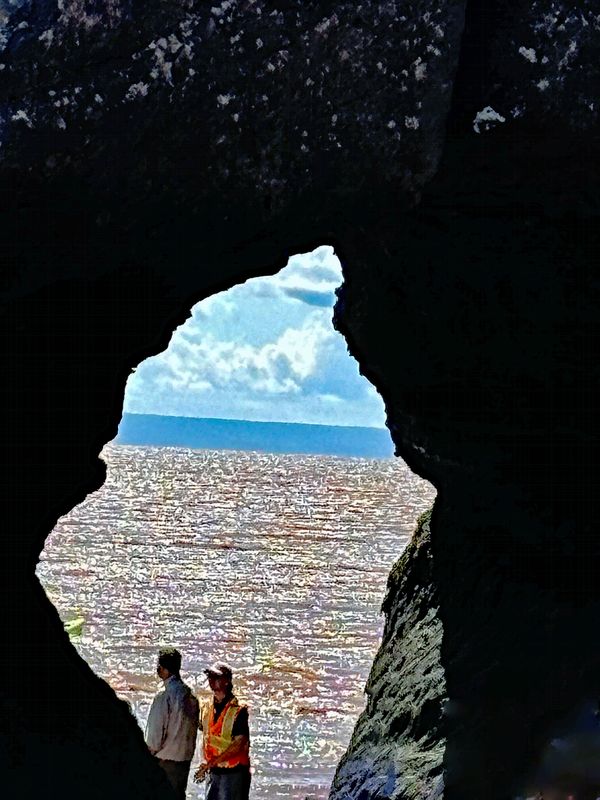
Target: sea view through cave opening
(251, 514)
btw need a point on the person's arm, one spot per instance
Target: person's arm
(156, 727)
(200, 773)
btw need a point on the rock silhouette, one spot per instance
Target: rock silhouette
(155, 153)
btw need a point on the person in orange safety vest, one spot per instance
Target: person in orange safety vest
(226, 739)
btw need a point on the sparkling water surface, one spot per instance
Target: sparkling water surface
(276, 564)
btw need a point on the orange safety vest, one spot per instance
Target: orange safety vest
(217, 735)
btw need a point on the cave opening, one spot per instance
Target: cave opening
(251, 514)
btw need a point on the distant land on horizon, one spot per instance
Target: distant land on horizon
(267, 437)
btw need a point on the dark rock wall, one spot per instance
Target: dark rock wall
(398, 745)
(487, 292)
(153, 153)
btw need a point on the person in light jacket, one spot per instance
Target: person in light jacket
(173, 722)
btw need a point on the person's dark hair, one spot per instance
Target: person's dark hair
(170, 658)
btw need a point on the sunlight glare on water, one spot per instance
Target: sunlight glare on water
(276, 564)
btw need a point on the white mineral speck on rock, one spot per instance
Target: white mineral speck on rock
(529, 54)
(98, 99)
(235, 117)
(60, 123)
(323, 26)
(218, 11)
(139, 89)
(411, 123)
(391, 124)
(22, 116)
(224, 99)
(174, 43)
(572, 51)
(542, 85)
(47, 37)
(487, 118)
(271, 67)
(259, 43)
(420, 69)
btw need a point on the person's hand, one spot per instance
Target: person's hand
(200, 773)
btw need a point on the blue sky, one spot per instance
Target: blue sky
(264, 350)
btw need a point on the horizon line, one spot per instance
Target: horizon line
(259, 421)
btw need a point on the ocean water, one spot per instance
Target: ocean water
(276, 564)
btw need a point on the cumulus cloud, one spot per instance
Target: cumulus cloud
(328, 274)
(222, 303)
(278, 367)
(310, 278)
(322, 253)
(263, 288)
(264, 350)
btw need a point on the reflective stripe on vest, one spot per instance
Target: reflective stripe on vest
(217, 736)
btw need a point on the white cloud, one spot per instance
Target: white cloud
(278, 367)
(221, 303)
(309, 277)
(264, 350)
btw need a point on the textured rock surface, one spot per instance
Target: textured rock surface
(260, 113)
(154, 153)
(397, 747)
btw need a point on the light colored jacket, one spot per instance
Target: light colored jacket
(172, 724)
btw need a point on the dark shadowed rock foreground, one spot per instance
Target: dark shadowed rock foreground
(153, 153)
